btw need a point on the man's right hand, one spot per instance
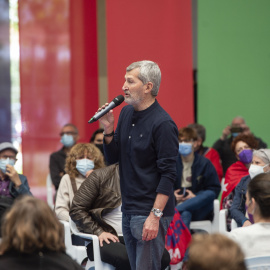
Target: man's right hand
(107, 120)
(105, 236)
(225, 133)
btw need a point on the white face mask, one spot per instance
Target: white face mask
(255, 170)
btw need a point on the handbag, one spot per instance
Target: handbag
(177, 238)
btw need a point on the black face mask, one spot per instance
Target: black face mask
(100, 147)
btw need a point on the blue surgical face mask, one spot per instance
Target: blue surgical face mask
(185, 148)
(5, 162)
(67, 140)
(235, 134)
(84, 165)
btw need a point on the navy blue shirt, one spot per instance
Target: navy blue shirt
(146, 146)
(204, 175)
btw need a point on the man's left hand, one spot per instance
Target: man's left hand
(150, 228)
(13, 175)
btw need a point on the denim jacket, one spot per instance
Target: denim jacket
(23, 189)
(238, 208)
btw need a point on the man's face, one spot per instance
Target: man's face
(134, 88)
(8, 154)
(69, 130)
(238, 122)
(187, 140)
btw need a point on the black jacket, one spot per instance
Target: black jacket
(49, 260)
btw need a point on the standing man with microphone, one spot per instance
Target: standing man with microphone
(145, 143)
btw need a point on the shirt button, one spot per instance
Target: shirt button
(133, 125)
(129, 137)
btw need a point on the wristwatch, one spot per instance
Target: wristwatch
(108, 135)
(157, 212)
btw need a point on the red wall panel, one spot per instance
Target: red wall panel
(154, 30)
(58, 70)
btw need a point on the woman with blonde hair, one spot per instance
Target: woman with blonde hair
(81, 161)
(33, 238)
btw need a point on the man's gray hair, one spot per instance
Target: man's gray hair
(263, 154)
(149, 72)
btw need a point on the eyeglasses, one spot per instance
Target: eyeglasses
(68, 133)
(10, 157)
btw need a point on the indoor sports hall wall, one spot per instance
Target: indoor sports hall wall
(233, 65)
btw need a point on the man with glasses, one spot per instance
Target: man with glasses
(197, 184)
(69, 136)
(12, 184)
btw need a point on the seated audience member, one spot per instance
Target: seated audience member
(205, 151)
(198, 177)
(223, 144)
(97, 140)
(96, 209)
(97, 137)
(242, 146)
(254, 239)
(12, 184)
(260, 164)
(215, 252)
(33, 238)
(69, 136)
(81, 161)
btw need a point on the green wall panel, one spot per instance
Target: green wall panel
(234, 65)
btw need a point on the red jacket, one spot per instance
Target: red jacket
(233, 176)
(213, 156)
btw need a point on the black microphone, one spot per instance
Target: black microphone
(116, 102)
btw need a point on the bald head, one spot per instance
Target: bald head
(238, 121)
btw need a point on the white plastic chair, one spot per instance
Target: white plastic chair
(222, 221)
(50, 191)
(77, 253)
(258, 263)
(97, 263)
(208, 225)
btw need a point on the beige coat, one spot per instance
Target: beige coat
(65, 196)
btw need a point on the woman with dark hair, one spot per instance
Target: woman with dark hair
(33, 238)
(254, 239)
(243, 146)
(260, 164)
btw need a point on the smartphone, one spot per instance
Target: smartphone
(236, 129)
(183, 191)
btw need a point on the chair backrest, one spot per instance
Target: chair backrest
(223, 221)
(233, 224)
(50, 191)
(98, 264)
(258, 263)
(73, 226)
(207, 225)
(78, 253)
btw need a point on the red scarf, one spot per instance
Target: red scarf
(233, 176)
